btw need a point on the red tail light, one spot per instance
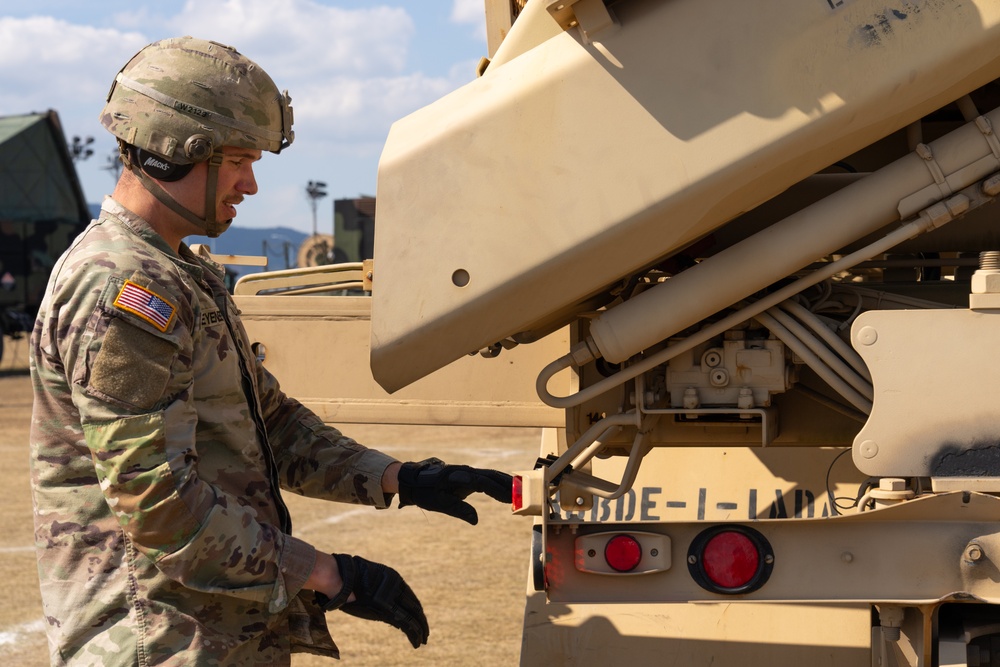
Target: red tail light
(517, 495)
(623, 553)
(730, 559)
(615, 553)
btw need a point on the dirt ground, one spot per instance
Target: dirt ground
(471, 580)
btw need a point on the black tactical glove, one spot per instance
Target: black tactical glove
(436, 486)
(380, 595)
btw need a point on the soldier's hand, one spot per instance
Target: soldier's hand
(380, 595)
(436, 486)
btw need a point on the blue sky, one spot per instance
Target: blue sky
(352, 67)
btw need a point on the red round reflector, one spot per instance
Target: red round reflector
(623, 553)
(730, 560)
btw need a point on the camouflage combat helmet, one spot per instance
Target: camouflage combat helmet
(179, 101)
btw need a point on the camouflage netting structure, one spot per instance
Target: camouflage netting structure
(354, 229)
(42, 209)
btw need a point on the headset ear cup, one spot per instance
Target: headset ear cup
(157, 168)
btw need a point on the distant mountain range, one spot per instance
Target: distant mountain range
(278, 244)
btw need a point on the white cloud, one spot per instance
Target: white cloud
(344, 68)
(355, 108)
(467, 11)
(293, 39)
(350, 73)
(472, 12)
(48, 63)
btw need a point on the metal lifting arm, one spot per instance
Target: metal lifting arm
(929, 219)
(897, 191)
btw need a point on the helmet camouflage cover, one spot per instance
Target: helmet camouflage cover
(185, 98)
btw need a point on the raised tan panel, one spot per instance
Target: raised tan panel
(586, 157)
(317, 347)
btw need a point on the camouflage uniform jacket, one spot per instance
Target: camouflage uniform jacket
(158, 444)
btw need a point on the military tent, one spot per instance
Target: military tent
(42, 208)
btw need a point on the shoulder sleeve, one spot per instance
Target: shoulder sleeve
(136, 344)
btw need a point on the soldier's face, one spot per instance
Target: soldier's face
(236, 181)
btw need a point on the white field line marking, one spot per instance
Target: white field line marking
(349, 514)
(15, 550)
(332, 519)
(14, 634)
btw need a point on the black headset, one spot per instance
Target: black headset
(156, 167)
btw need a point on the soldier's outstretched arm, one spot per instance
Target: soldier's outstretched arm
(317, 460)
(434, 485)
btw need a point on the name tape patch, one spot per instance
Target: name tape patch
(147, 305)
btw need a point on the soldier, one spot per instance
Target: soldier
(158, 441)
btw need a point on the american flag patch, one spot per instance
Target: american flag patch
(145, 304)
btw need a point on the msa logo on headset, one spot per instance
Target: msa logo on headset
(158, 168)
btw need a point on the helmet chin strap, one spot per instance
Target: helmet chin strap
(209, 224)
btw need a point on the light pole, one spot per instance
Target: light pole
(286, 244)
(80, 149)
(113, 164)
(316, 191)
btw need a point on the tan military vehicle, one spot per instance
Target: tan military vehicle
(740, 259)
